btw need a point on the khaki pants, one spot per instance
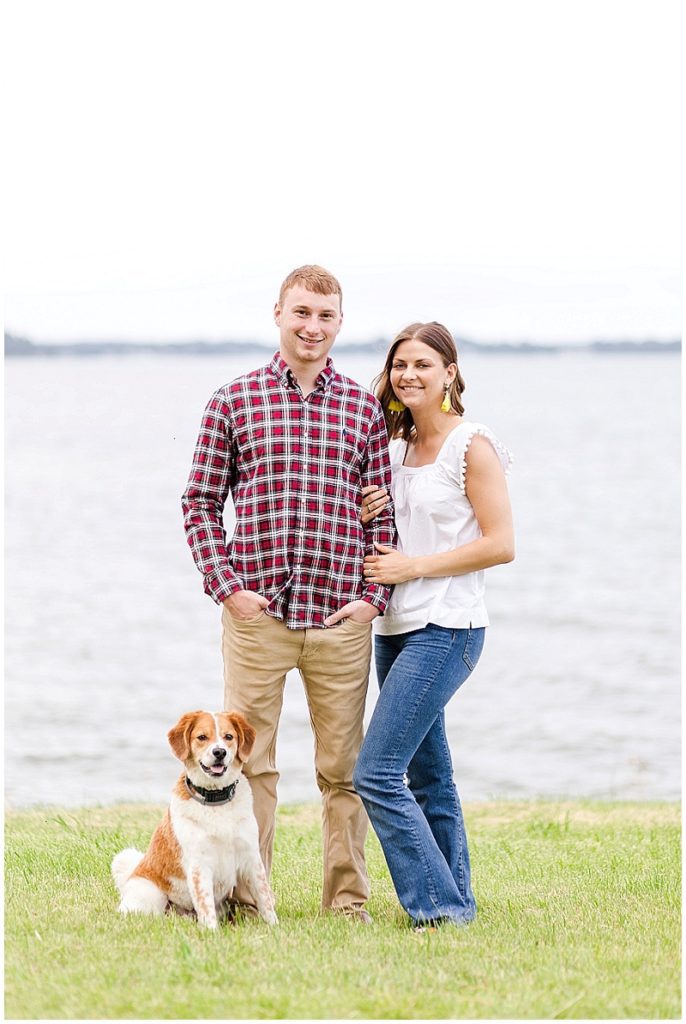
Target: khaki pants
(334, 666)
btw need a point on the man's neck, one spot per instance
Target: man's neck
(306, 374)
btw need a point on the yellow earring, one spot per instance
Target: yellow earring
(396, 406)
(446, 404)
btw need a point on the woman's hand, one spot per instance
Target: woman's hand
(389, 567)
(374, 500)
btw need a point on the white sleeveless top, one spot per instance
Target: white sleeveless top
(434, 514)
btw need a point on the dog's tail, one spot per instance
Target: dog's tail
(124, 864)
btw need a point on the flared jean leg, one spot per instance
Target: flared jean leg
(418, 673)
(430, 775)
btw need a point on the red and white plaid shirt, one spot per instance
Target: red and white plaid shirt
(295, 467)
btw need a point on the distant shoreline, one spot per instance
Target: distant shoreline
(23, 348)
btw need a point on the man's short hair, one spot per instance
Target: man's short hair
(315, 279)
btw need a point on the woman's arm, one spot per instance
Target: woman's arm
(487, 491)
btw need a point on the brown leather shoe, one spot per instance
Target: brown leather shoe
(357, 914)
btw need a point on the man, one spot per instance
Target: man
(294, 442)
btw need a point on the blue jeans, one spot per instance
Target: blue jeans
(419, 823)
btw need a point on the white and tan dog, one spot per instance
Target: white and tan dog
(207, 840)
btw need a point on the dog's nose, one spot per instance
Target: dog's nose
(219, 753)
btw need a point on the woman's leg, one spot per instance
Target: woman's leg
(431, 782)
(419, 672)
(386, 650)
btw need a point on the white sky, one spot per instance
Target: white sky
(513, 168)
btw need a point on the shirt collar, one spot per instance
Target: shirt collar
(285, 375)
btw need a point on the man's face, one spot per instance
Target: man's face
(308, 324)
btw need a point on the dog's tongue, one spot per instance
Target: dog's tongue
(217, 769)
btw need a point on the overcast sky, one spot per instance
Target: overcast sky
(513, 168)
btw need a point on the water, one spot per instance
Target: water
(109, 636)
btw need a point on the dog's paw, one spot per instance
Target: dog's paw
(208, 922)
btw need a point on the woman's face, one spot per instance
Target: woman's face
(418, 376)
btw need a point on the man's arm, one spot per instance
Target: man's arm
(377, 471)
(203, 500)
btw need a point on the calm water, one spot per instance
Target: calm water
(109, 636)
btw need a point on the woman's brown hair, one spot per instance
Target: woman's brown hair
(437, 337)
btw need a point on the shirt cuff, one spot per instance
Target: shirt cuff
(378, 596)
(221, 583)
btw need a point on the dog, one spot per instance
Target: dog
(208, 838)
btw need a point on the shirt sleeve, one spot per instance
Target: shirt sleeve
(376, 470)
(209, 485)
(457, 467)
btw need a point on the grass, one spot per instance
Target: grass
(578, 918)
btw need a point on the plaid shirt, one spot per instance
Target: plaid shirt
(294, 466)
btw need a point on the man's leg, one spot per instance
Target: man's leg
(257, 656)
(335, 671)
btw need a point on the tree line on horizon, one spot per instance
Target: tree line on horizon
(17, 346)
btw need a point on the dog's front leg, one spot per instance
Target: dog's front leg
(201, 887)
(255, 879)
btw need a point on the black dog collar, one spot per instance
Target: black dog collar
(211, 796)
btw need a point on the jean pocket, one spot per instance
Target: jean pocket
(473, 646)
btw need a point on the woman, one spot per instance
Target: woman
(453, 518)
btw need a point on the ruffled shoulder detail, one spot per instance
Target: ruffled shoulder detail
(465, 434)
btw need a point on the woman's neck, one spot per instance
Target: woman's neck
(433, 426)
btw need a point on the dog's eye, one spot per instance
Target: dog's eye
(228, 736)
(201, 738)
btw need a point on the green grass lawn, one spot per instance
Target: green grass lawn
(579, 917)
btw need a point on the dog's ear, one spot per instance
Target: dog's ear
(244, 733)
(180, 736)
